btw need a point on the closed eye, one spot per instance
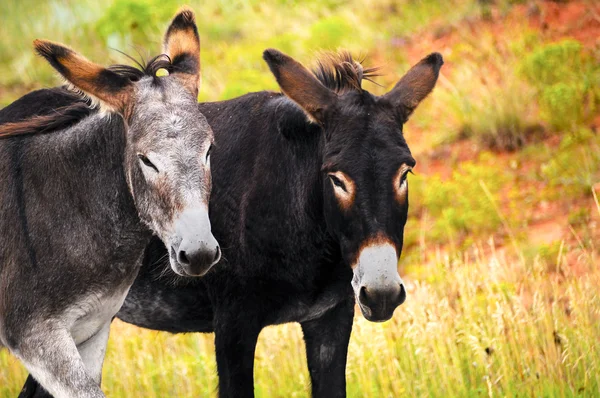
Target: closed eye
(210, 148)
(147, 162)
(405, 175)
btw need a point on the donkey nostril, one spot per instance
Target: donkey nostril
(402, 296)
(182, 258)
(362, 296)
(217, 255)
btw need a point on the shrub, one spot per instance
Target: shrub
(567, 79)
(575, 167)
(134, 22)
(458, 206)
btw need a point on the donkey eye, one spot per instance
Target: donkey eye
(147, 162)
(405, 175)
(337, 182)
(210, 148)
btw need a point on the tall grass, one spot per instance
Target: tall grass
(485, 325)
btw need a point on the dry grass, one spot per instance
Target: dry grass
(487, 324)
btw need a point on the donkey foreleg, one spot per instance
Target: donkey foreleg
(327, 341)
(92, 352)
(32, 389)
(53, 360)
(236, 334)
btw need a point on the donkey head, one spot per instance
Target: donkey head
(365, 164)
(168, 141)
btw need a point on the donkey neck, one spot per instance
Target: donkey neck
(69, 193)
(267, 166)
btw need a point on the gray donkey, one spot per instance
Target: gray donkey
(82, 193)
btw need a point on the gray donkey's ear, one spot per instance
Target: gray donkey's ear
(416, 84)
(182, 45)
(113, 92)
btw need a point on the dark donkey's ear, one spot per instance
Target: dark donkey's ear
(112, 91)
(299, 84)
(182, 45)
(416, 84)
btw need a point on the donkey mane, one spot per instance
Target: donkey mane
(342, 73)
(83, 106)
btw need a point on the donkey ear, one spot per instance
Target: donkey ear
(112, 91)
(416, 84)
(299, 84)
(182, 45)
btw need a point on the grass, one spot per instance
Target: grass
(497, 305)
(486, 325)
(493, 105)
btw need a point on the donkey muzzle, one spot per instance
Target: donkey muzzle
(376, 282)
(195, 249)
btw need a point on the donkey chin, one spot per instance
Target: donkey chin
(376, 282)
(193, 249)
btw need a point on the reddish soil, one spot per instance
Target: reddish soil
(548, 222)
(576, 19)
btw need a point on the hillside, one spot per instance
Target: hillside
(501, 247)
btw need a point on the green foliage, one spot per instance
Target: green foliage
(553, 63)
(574, 168)
(568, 81)
(579, 216)
(134, 21)
(329, 33)
(549, 254)
(458, 206)
(245, 81)
(562, 105)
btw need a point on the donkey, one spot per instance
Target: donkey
(309, 202)
(80, 202)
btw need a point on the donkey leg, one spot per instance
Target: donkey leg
(327, 341)
(53, 360)
(235, 343)
(92, 352)
(32, 389)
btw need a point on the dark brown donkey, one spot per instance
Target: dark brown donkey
(82, 192)
(310, 199)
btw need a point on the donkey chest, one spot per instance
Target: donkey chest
(302, 310)
(93, 311)
(301, 306)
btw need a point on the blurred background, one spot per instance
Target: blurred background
(501, 247)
